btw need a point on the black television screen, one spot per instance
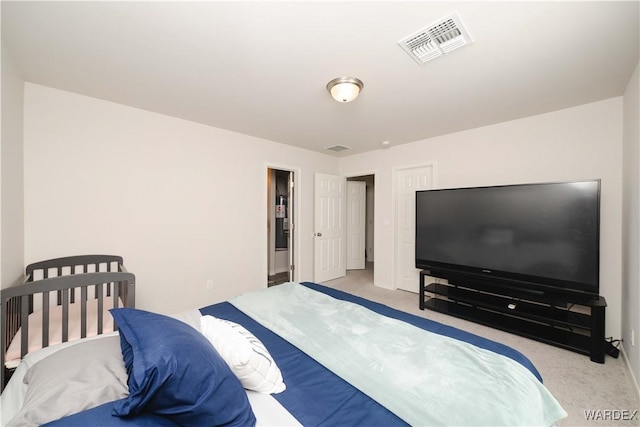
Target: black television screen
(539, 235)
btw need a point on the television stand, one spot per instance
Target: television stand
(577, 327)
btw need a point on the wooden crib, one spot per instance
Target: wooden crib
(60, 300)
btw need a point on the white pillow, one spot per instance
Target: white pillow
(245, 354)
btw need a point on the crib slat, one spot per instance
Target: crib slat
(24, 319)
(95, 288)
(65, 315)
(108, 269)
(45, 319)
(116, 294)
(3, 339)
(116, 299)
(83, 311)
(73, 292)
(100, 307)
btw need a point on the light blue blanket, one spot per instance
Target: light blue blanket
(422, 377)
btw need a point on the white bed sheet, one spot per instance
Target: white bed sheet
(268, 411)
(12, 357)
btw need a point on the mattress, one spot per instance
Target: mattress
(314, 395)
(12, 357)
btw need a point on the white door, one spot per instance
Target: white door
(330, 227)
(290, 225)
(356, 224)
(408, 181)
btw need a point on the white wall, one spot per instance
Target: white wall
(631, 226)
(184, 202)
(584, 142)
(180, 201)
(11, 176)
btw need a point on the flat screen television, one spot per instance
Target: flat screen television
(537, 237)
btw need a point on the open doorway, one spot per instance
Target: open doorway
(353, 205)
(280, 236)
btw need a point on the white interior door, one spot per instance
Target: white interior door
(356, 224)
(408, 181)
(330, 227)
(291, 225)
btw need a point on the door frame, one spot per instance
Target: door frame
(394, 211)
(294, 222)
(376, 207)
(376, 212)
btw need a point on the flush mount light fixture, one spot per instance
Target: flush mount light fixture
(345, 89)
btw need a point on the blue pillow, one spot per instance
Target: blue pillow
(175, 372)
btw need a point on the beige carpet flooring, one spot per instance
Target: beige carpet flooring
(579, 384)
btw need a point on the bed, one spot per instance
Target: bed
(338, 360)
(60, 300)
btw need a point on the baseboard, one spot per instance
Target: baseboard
(633, 377)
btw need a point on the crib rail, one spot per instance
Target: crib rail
(65, 280)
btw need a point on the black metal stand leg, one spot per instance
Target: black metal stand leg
(421, 293)
(597, 332)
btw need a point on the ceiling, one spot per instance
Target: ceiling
(260, 68)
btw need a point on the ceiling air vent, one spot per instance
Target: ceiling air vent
(439, 38)
(337, 148)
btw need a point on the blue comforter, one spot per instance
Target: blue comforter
(314, 395)
(423, 377)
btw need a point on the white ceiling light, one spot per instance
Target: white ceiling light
(345, 89)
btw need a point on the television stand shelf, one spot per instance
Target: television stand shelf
(581, 330)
